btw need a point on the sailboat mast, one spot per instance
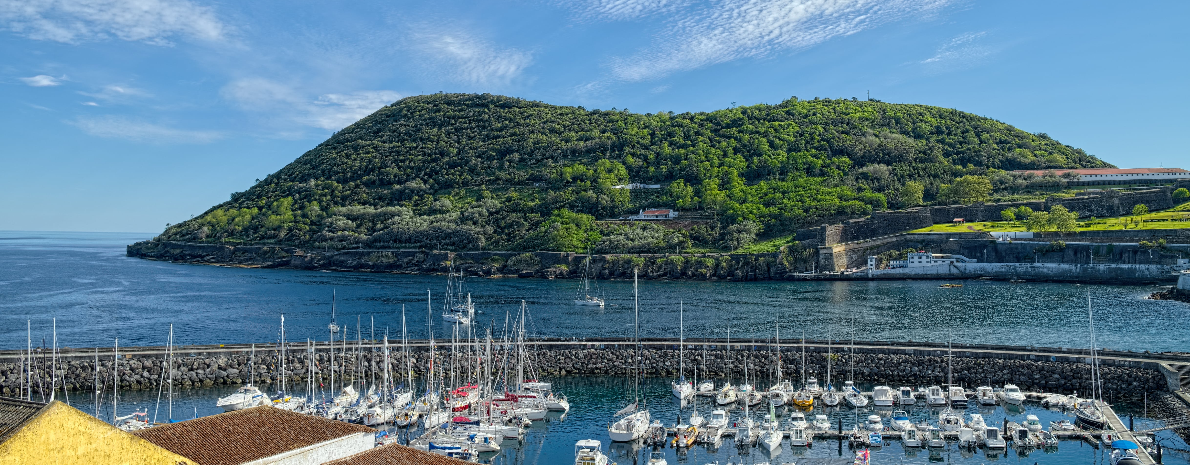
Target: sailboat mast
(829, 355)
(171, 372)
(54, 362)
(636, 313)
(115, 381)
(949, 365)
(1094, 361)
(282, 353)
(405, 348)
(681, 342)
(803, 358)
(96, 382)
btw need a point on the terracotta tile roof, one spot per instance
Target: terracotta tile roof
(14, 413)
(396, 454)
(1109, 171)
(246, 435)
(656, 212)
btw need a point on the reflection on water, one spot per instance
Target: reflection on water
(97, 294)
(593, 401)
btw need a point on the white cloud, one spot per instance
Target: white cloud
(624, 9)
(75, 21)
(91, 104)
(473, 61)
(118, 127)
(42, 80)
(735, 29)
(114, 93)
(328, 111)
(962, 52)
(336, 111)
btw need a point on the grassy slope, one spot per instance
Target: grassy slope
(1174, 218)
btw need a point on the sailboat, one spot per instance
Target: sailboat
(458, 309)
(133, 421)
(803, 398)
(782, 391)
(634, 421)
(286, 400)
(772, 436)
(682, 389)
(246, 396)
(854, 398)
(585, 298)
(1087, 410)
(830, 397)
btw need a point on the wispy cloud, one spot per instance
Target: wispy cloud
(115, 93)
(119, 127)
(962, 52)
(735, 29)
(328, 111)
(464, 58)
(42, 80)
(75, 21)
(90, 104)
(624, 9)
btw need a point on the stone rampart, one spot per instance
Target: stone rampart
(912, 364)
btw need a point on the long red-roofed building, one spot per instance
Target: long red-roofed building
(1117, 174)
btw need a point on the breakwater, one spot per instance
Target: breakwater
(1125, 374)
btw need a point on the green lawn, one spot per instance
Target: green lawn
(1174, 218)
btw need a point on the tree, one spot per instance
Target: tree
(1181, 195)
(1140, 209)
(967, 190)
(1039, 221)
(1023, 212)
(741, 234)
(1063, 220)
(911, 194)
(1008, 215)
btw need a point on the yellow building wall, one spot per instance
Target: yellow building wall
(61, 434)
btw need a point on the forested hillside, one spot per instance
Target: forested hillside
(466, 172)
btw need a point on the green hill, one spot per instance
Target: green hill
(463, 171)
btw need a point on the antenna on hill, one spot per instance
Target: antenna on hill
(869, 95)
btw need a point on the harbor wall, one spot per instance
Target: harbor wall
(1050, 272)
(1125, 374)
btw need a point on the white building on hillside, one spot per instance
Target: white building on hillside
(1118, 174)
(658, 214)
(920, 259)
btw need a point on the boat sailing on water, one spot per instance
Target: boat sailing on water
(585, 298)
(634, 421)
(458, 306)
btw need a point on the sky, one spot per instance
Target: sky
(125, 115)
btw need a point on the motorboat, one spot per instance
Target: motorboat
(992, 439)
(718, 419)
(247, 396)
(1020, 437)
(629, 427)
(1061, 425)
(1032, 423)
(854, 398)
(967, 438)
(706, 388)
(1056, 401)
(957, 396)
(797, 419)
(911, 438)
(134, 421)
(900, 421)
(1012, 395)
(1047, 439)
(727, 395)
(685, 437)
(935, 397)
(799, 437)
(976, 423)
(875, 439)
(821, 423)
(906, 396)
(882, 396)
(803, 399)
(934, 438)
(812, 387)
(874, 423)
(948, 420)
(657, 458)
(985, 395)
(1124, 453)
(589, 452)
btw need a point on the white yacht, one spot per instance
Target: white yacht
(992, 439)
(934, 438)
(718, 419)
(1032, 423)
(985, 395)
(882, 396)
(1012, 395)
(797, 419)
(831, 398)
(900, 421)
(771, 438)
(907, 396)
(657, 458)
(247, 396)
(874, 423)
(949, 421)
(977, 424)
(967, 438)
(799, 437)
(630, 427)
(854, 398)
(958, 397)
(727, 395)
(821, 423)
(589, 452)
(706, 388)
(812, 387)
(696, 419)
(911, 438)
(935, 397)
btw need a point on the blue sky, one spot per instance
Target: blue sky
(125, 115)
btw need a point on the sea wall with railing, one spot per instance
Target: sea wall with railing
(1125, 374)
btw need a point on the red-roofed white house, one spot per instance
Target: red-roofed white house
(1118, 174)
(657, 214)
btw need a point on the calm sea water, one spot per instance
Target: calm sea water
(97, 294)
